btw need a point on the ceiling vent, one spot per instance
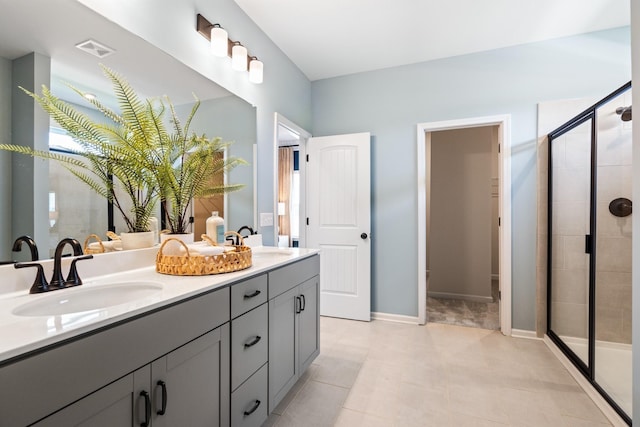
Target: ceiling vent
(95, 48)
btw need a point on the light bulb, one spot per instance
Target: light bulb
(256, 69)
(219, 41)
(239, 57)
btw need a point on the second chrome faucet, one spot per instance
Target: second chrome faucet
(58, 281)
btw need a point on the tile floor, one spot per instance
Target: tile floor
(485, 315)
(390, 374)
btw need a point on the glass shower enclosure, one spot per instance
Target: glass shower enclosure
(589, 248)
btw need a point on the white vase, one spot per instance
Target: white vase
(138, 240)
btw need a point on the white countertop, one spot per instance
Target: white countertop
(24, 334)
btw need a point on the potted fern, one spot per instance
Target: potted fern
(148, 163)
(186, 162)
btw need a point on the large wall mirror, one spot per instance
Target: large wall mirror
(53, 29)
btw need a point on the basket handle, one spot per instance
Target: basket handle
(95, 236)
(208, 239)
(170, 239)
(212, 243)
(112, 235)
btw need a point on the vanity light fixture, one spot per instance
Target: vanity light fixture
(222, 46)
(239, 57)
(256, 68)
(219, 41)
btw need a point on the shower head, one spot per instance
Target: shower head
(625, 113)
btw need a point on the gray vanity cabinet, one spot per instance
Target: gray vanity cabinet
(108, 407)
(249, 353)
(294, 340)
(187, 381)
(73, 381)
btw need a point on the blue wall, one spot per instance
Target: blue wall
(390, 102)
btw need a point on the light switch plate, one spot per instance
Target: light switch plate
(266, 219)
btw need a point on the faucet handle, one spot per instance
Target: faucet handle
(73, 279)
(40, 283)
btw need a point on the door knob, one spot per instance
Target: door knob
(363, 236)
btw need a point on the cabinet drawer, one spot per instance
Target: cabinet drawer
(249, 344)
(285, 278)
(248, 294)
(249, 402)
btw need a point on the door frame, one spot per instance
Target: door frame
(504, 206)
(280, 120)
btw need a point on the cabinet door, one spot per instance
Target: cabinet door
(193, 383)
(308, 327)
(283, 371)
(109, 407)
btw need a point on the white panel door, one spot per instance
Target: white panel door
(339, 211)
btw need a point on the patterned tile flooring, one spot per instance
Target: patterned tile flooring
(484, 315)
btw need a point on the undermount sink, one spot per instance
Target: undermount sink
(79, 299)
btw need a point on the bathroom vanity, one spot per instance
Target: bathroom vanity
(206, 350)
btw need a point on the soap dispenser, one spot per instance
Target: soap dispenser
(215, 228)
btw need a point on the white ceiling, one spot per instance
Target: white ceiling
(53, 28)
(328, 38)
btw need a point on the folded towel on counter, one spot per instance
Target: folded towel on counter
(109, 246)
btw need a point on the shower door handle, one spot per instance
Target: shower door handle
(588, 244)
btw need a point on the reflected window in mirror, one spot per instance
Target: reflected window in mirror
(74, 209)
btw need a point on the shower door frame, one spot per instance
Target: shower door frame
(587, 369)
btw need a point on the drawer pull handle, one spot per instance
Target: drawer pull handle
(304, 302)
(163, 409)
(147, 409)
(253, 408)
(298, 305)
(253, 294)
(253, 342)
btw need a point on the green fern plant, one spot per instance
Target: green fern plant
(134, 146)
(187, 163)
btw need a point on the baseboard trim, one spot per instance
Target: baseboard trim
(523, 333)
(398, 318)
(593, 394)
(449, 295)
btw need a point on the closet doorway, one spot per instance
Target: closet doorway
(464, 212)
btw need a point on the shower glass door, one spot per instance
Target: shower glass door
(570, 231)
(589, 247)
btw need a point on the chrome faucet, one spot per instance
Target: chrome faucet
(57, 280)
(17, 246)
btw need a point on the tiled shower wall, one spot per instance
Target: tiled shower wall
(570, 207)
(613, 243)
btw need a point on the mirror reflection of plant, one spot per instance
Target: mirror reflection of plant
(147, 161)
(184, 173)
(115, 149)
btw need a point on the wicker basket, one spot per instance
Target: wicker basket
(201, 265)
(88, 250)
